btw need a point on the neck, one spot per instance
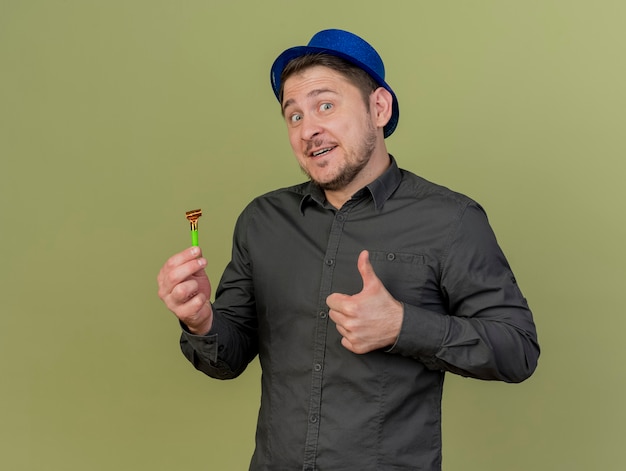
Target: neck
(377, 165)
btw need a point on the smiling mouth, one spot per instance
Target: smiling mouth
(320, 152)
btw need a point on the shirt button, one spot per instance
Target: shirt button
(391, 256)
(323, 314)
(313, 419)
(317, 367)
(329, 261)
(340, 217)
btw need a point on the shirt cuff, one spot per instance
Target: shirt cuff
(206, 345)
(421, 334)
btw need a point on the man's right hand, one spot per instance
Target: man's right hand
(185, 289)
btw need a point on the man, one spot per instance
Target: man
(358, 290)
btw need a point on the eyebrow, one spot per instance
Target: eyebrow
(312, 93)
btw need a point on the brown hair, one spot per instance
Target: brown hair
(355, 75)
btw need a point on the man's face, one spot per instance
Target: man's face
(331, 129)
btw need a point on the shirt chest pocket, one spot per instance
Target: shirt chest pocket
(407, 276)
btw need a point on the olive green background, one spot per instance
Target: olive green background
(118, 116)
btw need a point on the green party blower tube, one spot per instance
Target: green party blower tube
(192, 217)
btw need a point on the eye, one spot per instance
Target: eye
(326, 106)
(294, 118)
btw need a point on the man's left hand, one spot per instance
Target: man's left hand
(368, 320)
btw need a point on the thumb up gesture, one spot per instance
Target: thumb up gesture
(368, 320)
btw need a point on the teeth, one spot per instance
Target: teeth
(323, 151)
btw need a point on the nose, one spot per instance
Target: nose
(310, 128)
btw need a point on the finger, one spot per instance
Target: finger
(171, 277)
(184, 256)
(185, 297)
(190, 312)
(183, 292)
(338, 317)
(346, 344)
(344, 333)
(337, 301)
(172, 274)
(366, 269)
(177, 260)
(190, 307)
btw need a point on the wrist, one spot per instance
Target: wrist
(203, 321)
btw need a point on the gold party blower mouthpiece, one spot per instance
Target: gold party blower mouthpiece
(193, 216)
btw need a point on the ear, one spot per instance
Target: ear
(382, 104)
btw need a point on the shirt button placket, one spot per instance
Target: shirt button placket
(319, 347)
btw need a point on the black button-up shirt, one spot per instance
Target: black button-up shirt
(322, 406)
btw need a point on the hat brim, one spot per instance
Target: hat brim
(282, 60)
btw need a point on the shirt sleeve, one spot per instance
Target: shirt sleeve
(487, 331)
(231, 344)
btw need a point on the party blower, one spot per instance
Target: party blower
(193, 216)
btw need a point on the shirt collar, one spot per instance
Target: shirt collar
(381, 189)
